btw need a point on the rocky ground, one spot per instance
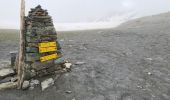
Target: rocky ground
(113, 64)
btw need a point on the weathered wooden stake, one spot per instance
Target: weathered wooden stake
(20, 68)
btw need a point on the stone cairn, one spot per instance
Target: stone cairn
(42, 53)
(42, 47)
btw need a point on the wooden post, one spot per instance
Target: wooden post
(21, 62)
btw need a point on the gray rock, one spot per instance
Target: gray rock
(47, 83)
(150, 59)
(14, 79)
(68, 65)
(73, 99)
(7, 79)
(6, 72)
(68, 92)
(31, 88)
(149, 73)
(29, 74)
(4, 64)
(13, 57)
(79, 63)
(25, 85)
(34, 83)
(8, 85)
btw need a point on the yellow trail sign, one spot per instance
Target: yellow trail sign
(47, 47)
(47, 44)
(49, 57)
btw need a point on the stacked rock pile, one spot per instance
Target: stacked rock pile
(42, 48)
(42, 54)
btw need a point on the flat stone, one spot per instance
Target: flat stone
(7, 79)
(42, 65)
(68, 92)
(6, 72)
(59, 61)
(150, 59)
(79, 63)
(8, 85)
(47, 83)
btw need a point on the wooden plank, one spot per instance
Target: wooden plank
(21, 50)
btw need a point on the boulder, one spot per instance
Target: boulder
(33, 84)
(25, 85)
(8, 85)
(6, 72)
(47, 83)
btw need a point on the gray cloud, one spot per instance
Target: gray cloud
(72, 11)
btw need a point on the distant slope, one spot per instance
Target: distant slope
(153, 23)
(9, 35)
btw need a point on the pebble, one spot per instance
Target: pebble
(68, 92)
(149, 59)
(68, 65)
(149, 73)
(73, 99)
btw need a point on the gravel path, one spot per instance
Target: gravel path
(119, 65)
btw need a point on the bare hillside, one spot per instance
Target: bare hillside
(156, 23)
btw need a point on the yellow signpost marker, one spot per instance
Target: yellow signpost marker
(49, 57)
(47, 44)
(48, 47)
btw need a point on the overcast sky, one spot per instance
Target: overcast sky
(73, 11)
